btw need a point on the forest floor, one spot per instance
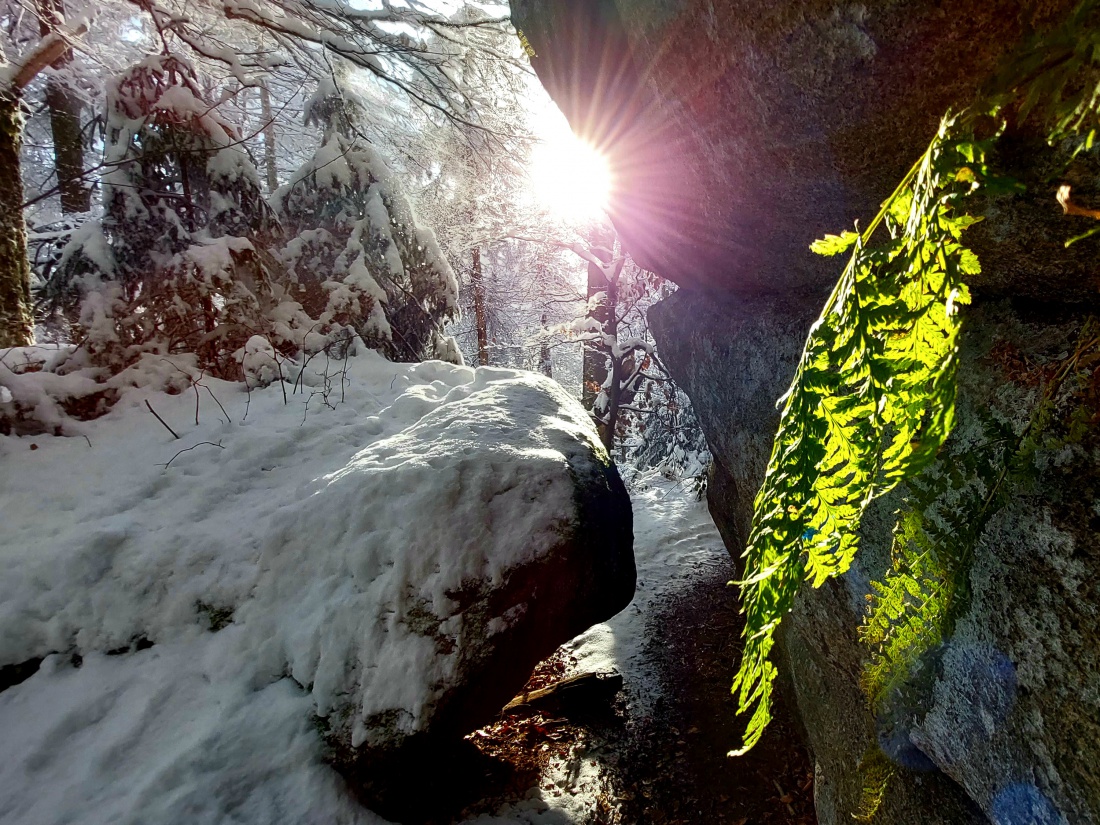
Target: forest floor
(657, 753)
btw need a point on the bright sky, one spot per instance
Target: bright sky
(568, 176)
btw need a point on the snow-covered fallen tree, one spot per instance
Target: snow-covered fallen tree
(215, 589)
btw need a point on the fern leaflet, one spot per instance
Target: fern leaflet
(872, 400)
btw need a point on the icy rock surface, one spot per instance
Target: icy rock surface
(383, 557)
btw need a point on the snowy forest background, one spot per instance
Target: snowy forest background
(243, 187)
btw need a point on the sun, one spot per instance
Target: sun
(569, 177)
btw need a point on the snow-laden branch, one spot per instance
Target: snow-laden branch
(623, 348)
(610, 268)
(18, 74)
(410, 16)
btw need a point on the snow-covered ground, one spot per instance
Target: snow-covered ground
(103, 547)
(675, 542)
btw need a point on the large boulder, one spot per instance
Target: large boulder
(390, 567)
(740, 131)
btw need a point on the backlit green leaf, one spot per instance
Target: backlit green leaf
(834, 244)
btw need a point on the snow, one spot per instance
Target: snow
(187, 105)
(584, 325)
(288, 523)
(359, 274)
(447, 349)
(385, 256)
(674, 539)
(445, 283)
(259, 361)
(331, 166)
(165, 735)
(213, 257)
(90, 241)
(628, 345)
(231, 163)
(28, 379)
(378, 219)
(318, 525)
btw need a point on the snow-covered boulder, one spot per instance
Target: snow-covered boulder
(380, 559)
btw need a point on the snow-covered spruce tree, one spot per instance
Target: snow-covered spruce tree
(177, 261)
(355, 249)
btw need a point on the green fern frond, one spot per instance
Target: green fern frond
(876, 772)
(873, 398)
(872, 401)
(915, 607)
(1056, 78)
(909, 608)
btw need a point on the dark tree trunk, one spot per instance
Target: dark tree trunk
(65, 107)
(268, 118)
(546, 363)
(68, 147)
(16, 327)
(594, 364)
(615, 388)
(16, 321)
(481, 313)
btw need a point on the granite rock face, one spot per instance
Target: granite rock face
(740, 131)
(1010, 720)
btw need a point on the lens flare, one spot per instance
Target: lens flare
(569, 177)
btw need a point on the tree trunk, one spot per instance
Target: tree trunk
(16, 326)
(594, 364)
(268, 119)
(481, 314)
(68, 147)
(16, 320)
(546, 362)
(614, 390)
(65, 107)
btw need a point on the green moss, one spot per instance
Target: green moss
(15, 298)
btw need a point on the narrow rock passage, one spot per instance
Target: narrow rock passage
(658, 753)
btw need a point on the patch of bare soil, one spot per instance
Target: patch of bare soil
(669, 767)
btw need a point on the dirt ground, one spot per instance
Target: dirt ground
(670, 766)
